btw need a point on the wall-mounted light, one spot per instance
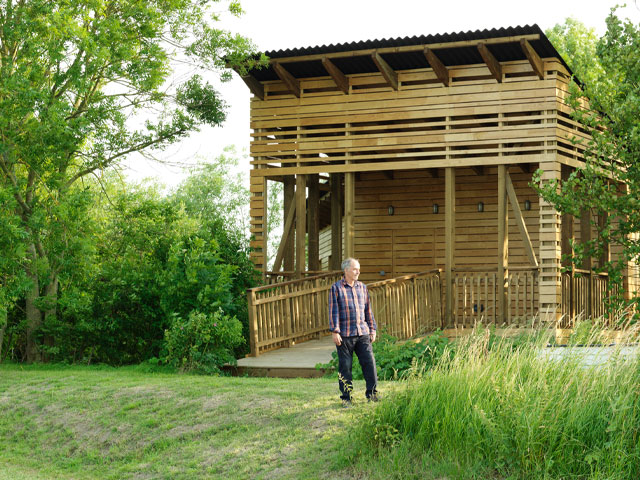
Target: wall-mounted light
(435, 208)
(390, 209)
(527, 205)
(480, 207)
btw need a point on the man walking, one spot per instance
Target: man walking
(353, 329)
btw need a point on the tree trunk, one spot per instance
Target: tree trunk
(34, 315)
(3, 328)
(51, 291)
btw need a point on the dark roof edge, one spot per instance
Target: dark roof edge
(407, 41)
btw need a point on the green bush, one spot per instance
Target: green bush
(394, 359)
(202, 343)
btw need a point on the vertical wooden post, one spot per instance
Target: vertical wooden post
(349, 200)
(289, 199)
(253, 323)
(566, 227)
(313, 222)
(449, 238)
(349, 205)
(336, 221)
(503, 243)
(301, 224)
(606, 252)
(585, 236)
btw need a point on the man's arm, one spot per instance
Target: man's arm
(368, 317)
(334, 316)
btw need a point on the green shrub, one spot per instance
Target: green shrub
(202, 343)
(395, 359)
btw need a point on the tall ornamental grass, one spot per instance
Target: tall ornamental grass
(508, 410)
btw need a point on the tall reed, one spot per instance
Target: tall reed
(514, 411)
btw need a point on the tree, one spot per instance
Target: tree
(73, 76)
(610, 180)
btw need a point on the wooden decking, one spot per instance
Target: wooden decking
(299, 360)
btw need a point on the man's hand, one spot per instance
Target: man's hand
(372, 335)
(337, 339)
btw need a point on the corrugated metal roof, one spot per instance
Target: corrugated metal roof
(503, 52)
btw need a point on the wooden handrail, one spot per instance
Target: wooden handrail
(400, 279)
(287, 312)
(291, 282)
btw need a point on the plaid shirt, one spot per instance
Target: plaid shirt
(350, 311)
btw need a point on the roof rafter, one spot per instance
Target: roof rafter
(254, 85)
(389, 74)
(534, 59)
(340, 78)
(292, 83)
(438, 67)
(494, 65)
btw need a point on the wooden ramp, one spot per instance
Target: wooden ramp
(299, 360)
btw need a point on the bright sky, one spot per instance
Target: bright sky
(282, 24)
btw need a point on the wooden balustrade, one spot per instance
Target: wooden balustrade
(289, 312)
(409, 305)
(475, 297)
(583, 296)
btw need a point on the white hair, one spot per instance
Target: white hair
(347, 262)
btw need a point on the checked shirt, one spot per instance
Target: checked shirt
(350, 311)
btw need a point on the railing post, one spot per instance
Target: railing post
(253, 323)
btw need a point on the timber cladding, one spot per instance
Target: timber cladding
(412, 239)
(402, 139)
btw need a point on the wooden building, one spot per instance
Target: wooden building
(416, 154)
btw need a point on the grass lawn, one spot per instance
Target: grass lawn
(107, 423)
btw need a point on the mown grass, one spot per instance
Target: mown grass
(88, 423)
(499, 410)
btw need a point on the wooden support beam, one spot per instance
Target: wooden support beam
(503, 244)
(301, 224)
(494, 66)
(606, 251)
(585, 235)
(438, 67)
(478, 170)
(254, 85)
(566, 227)
(349, 210)
(336, 221)
(287, 237)
(534, 59)
(292, 83)
(313, 221)
(388, 73)
(522, 226)
(340, 78)
(449, 238)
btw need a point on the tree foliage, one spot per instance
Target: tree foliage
(76, 77)
(156, 278)
(609, 183)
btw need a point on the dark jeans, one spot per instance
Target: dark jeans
(361, 345)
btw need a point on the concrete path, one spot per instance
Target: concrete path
(300, 360)
(592, 356)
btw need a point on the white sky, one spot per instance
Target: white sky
(282, 24)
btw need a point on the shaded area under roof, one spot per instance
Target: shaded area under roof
(503, 52)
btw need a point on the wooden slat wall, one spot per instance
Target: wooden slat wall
(412, 239)
(392, 137)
